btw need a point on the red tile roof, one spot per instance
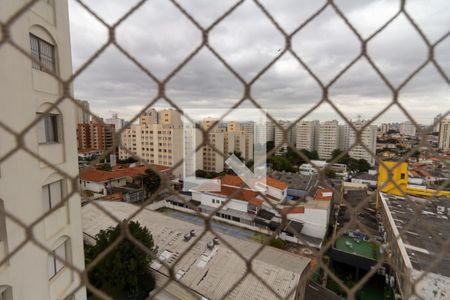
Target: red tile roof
(256, 201)
(325, 194)
(237, 181)
(244, 195)
(293, 210)
(95, 175)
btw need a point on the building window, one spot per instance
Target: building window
(52, 194)
(2, 227)
(5, 292)
(43, 54)
(48, 129)
(54, 264)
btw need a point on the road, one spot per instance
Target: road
(219, 227)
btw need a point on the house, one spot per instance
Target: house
(236, 203)
(121, 179)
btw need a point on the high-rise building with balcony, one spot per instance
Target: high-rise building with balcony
(82, 115)
(279, 137)
(307, 134)
(444, 135)
(29, 187)
(407, 128)
(95, 136)
(116, 121)
(368, 139)
(328, 138)
(157, 139)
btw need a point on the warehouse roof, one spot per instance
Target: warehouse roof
(208, 272)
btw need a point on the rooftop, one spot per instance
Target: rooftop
(209, 272)
(94, 175)
(421, 246)
(296, 180)
(237, 181)
(357, 247)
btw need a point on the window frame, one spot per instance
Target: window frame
(49, 128)
(57, 265)
(42, 60)
(49, 203)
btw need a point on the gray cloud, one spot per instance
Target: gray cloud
(160, 37)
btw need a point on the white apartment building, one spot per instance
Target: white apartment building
(270, 131)
(82, 115)
(116, 121)
(407, 128)
(328, 138)
(239, 138)
(444, 135)
(279, 137)
(368, 139)
(307, 133)
(158, 143)
(436, 123)
(29, 188)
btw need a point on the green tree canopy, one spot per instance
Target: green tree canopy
(270, 145)
(151, 181)
(124, 273)
(281, 163)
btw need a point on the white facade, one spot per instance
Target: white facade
(279, 137)
(215, 200)
(270, 131)
(28, 187)
(407, 128)
(444, 135)
(156, 143)
(82, 114)
(116, 121)
(307, 135)
(368, 139)
(315, 221)
(328, 138)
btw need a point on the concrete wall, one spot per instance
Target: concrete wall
(315, 222)
(207, 199)
(24, 92)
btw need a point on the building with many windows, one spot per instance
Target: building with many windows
(328, 138)
(95, 136)
(281, 139)
(368, 139)
(444, 135)
(157, 139)
(407, 128)
(116, 121)
(307, 133)
(82, 112)
(29, 187)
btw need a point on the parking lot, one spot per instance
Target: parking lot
(217, 226)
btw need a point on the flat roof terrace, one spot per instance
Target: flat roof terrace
(210, 272)
(421, 246)
(361, 248)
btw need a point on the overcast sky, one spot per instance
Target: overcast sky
(160, 37)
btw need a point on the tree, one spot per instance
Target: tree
(128, 160)
(363, 165)
(281, 163)
(270, 145)
(334, 154)
(104, 167)
(151, 181)
(124, 273)
(313, 155)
